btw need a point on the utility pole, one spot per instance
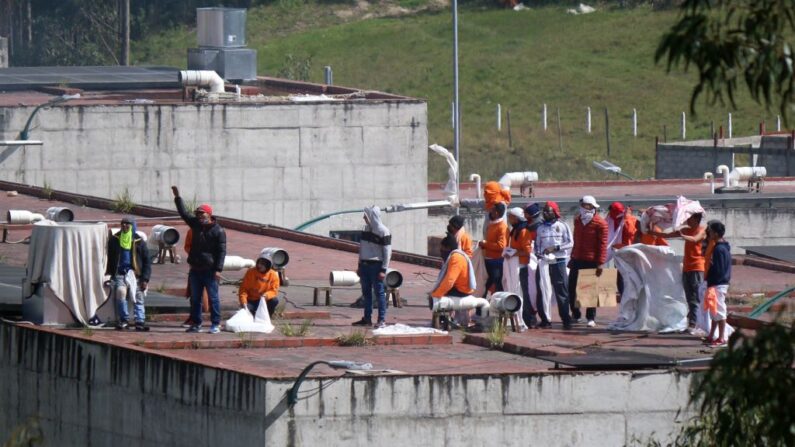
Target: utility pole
(124, 18)
(456, 101)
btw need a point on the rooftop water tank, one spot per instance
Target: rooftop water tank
(221, 27)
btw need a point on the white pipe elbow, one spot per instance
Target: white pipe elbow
(723, 169)
(510, 179)
(202, 78)
(476, 179)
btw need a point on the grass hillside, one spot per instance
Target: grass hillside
(520, 59)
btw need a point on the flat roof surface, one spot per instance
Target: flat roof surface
(268, 355)
(26, 78)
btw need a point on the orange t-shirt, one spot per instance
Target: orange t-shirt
(257, 285)
(457, 276)
(464, 241)
(693, 260)
(496, 240)
(524, 243)
(708, 255)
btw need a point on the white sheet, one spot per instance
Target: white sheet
(70, 259)
(479, 264)
(404, 329)
(243, 321)
(653, 298)
(545, 284)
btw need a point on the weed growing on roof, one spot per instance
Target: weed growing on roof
(496, 335)
(123, 202)
(47, 190)
(88, 331)
(355, 338)
(288, 330)
(246, 339)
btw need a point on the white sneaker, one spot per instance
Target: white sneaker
(591, 323)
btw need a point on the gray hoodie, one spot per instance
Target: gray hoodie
(376, 242)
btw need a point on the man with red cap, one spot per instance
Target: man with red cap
(552, 246)
(206, 260)
(622, 229)
(590, 251)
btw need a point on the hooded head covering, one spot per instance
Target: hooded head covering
(456, 222)
(518, 213)
(555, 208)
(125, 239)
(266, 255)
(522, 224)
(374, 223)
(616, 210)
(533, 210)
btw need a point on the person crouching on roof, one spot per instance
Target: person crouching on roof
(261, 283)
(457, 276)
(495, 242)
(375, 251)
(455, 226)
(129, 268)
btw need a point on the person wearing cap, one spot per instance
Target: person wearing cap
(129, 267)
(455, 226)
(622, 229)
(495, 242)
(260, 282)
(590, 251)
(206, 261)
(552, 245)
(520, 244)
(375, 252)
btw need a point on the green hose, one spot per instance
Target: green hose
(315, 220)
(767, 304)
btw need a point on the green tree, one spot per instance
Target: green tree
(735, 42)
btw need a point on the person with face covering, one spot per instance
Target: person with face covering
(553, 244)
(520, 241)
(206, 261)
(622, 229)
(260, 282)
(129, 267)
(375, 251)
(455, 226)
(590, 251)
(495, 242)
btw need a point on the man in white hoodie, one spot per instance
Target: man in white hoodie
(375, 251)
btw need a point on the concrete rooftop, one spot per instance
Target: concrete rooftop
(276, 356)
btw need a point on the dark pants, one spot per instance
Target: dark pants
(368, 276)
(528, 313)
(690, 282)
(199, 281)
(494, 272)
(456, 293)
(619, 285)
(574, 272)
(254, 305)
(560, 281)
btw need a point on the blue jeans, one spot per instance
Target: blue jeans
(560, 280)
(528, 313)
(199, 280)
(368, 277)
(117, 284)
(494, 275)
(254, 305)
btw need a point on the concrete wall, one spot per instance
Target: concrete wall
(684, 160)
(90, 394)
(280, 164)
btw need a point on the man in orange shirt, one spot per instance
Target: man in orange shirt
(693, 262)
(455, 226)
(260, 281)
(495, 242)
(520, 241)
(456, 278)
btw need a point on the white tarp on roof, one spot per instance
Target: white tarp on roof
(653, 298)
(70, 259)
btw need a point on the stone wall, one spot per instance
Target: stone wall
(279, 164)
(86, 393)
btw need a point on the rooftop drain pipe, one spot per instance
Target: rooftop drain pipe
(202, 78)
(476, 178)
(711, 177)
(521, 179)
(740, 174)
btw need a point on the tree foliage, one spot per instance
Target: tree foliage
(731, 43)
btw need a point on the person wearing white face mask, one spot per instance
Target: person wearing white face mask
(590, 251)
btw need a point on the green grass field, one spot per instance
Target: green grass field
(518, 59)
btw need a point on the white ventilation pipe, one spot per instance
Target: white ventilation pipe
(506, 302)
(279, 256)
(60, 214)
(202, 78)
(476, 178)
(447, 303)
(723, 169)
(343, 278)
(393, 278)
(744, 173)
(510, 179)
(711, 177)
(165, 235)
(416, 206)
(232, 263)
(22, 217)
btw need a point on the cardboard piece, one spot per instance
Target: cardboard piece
(593, 291)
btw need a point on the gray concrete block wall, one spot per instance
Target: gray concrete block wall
(683, 161)
(279, 164)
(87, 393)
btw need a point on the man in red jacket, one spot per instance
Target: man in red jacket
(589, 252)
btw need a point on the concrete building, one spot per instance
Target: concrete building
(282, 153)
